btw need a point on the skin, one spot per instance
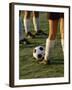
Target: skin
(52, 29)
(62, 27)
(53, 25)
(28, 14)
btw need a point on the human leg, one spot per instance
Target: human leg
(27, 24)
(22, 39)
(62, 30)
(50, 41)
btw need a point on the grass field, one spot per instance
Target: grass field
(29, 68)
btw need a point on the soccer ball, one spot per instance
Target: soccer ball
(38, 53)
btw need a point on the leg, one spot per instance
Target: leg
(36, 23)
(51, 39)
(22, 39)
(21, 35)
(53, 23)
(27, 24)
(27, 21)
(62, 30)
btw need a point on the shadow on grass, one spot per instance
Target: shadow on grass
(30, 45)
(41, 36)
(56, 61)
(52, 61)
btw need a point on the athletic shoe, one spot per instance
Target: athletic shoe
(40, 32)
(24, 41)
(30, 35)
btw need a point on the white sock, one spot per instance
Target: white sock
(27, 25)
(62, 43)
(48, 49)
(36, 23)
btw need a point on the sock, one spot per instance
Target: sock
(27, 25)
(48, 49)
(62, 43)
(36, 23)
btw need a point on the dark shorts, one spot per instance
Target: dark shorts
(55, 16)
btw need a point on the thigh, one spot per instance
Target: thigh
(53, 19)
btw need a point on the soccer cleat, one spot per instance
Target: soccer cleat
(30, 35)
(40, 32)
(24, 41)
(44, 62)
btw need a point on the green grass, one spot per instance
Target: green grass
(29, 68)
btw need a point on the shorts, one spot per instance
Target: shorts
(55, 15)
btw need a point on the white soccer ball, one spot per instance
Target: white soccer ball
(38, 53)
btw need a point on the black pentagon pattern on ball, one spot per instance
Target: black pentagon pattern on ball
(39, 55)
(41, 48)
(34, 51)
(43, 58)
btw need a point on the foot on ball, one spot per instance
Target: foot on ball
(43, 62)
